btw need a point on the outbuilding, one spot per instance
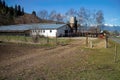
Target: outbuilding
(47, 30)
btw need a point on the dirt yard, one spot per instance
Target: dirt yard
(21, 62)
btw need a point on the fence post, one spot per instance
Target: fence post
(56, 38)
(115, 57)
(91, 44)
(106, 40)
(47, 39)
(86, 40)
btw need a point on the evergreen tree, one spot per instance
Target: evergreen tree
(15, 8)
(3, 3)
(16, 11)
(22, 11)
(33, 13)
(11, 11)
(0, 2)
(0, 5)
(7, 9)
(19, 10)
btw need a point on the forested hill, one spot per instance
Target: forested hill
(8, 14)
(16, 15)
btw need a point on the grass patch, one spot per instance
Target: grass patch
(28, 41)
(102, 63)
(15, 38)
(99, 65)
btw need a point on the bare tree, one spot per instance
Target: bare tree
(81, 15)
(52, 15)
(59, 17)
(71, 12)
(56, 16)
(93, 18)
(84, 17)
(43, 14)
(87, 17)
(99, 19)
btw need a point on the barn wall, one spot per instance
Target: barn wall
(50, 32)
(61, 30)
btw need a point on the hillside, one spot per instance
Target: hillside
(7, 14)
(4, 20)
(26, 18)
(16, 15)
(30, 18)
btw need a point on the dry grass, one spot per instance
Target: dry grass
(69, 62)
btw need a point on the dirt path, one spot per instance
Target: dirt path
(35, 59)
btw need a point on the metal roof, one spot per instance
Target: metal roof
(30, 26)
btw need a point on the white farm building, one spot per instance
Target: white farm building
(50, 30)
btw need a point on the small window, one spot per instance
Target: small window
(50, 31)
(43, 31)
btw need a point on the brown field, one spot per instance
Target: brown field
(27, 62)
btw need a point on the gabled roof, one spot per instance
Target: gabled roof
(30, 26)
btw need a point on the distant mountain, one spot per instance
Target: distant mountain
(111, 28)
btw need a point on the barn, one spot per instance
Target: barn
(42, 29)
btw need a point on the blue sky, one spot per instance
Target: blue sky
(110, 8)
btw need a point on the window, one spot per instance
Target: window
(50, 31)
(43, 31)
(36, 31)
